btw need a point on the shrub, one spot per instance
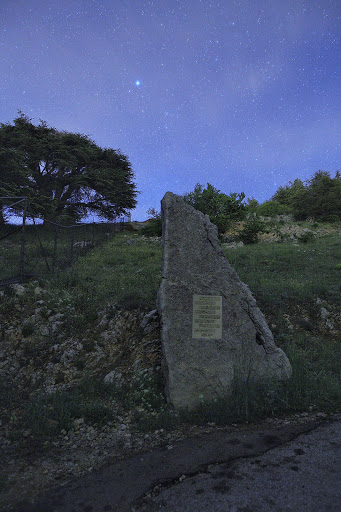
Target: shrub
(252, 227)
(154, 227)
(272, 208)
(306, 237)
(221, 208)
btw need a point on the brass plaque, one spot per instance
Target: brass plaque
(207, 317)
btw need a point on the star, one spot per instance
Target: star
(137, 83)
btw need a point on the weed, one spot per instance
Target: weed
(149, 422)
(27, 329)
(46, 415)
(129, 275)
(251, 401)
(97, 412)
(291, 270)
(306, 237)
(285, 279)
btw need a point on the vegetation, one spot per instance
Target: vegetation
(154, 227)
(318, 198)
(251, 229)
(119, 272)
(42, 249)
(290, 282)
(62, 174)
(221, 208)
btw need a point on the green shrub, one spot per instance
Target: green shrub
(154, 226)
(272, 208)
(221, 208)
(150, 421)
(306, 237)
(330, 218)
(251, 229)
(97, 412)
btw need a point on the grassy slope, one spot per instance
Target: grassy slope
(127, 274)
(286, 279)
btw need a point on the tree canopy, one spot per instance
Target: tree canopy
(221, 208)
(63, 174)
(318, 198)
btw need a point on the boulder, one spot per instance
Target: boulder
(212, 329)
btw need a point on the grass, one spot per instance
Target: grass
(46, 415)
(311, 388)
(279, 274)
(286, 279)
(127, 274)
(47, 248)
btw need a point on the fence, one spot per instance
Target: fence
(30, 250)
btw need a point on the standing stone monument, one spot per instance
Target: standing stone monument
(212, 329)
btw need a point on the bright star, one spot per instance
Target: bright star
(137, 83)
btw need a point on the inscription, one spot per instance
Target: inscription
(207, 317)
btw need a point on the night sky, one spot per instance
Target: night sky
(244, 95)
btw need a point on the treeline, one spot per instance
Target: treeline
(318, 198)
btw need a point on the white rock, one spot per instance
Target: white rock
(112, 377)
(152, 316)
(19, 289)
(56, 318)
(56, 326)
(324, 313)
(45, 331)
(78, 422)
(330, 324)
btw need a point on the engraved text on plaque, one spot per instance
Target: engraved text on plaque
(207, 317)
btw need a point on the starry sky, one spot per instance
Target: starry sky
(242, 94)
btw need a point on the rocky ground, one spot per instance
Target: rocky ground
(48, 349)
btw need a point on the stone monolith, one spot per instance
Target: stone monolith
(212, 329)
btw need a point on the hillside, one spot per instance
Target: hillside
(80, 354)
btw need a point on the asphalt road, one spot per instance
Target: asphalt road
(292, 468)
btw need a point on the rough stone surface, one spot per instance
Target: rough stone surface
(193, 263)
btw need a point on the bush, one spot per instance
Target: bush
(154, 227)
(221, 208)
(272, 208)
(306, 237)
(330, 218)
(252, 227)
(318, 198)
